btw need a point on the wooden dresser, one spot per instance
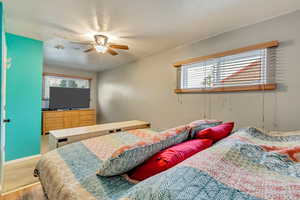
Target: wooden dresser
(54, 120)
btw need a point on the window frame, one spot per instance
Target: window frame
(45, 74)
(267, 85)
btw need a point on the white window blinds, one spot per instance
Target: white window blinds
(248, 68)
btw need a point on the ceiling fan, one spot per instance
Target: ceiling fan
(101, 45)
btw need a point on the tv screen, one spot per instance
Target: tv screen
(68, 98)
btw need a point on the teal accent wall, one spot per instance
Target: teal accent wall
(23, 96)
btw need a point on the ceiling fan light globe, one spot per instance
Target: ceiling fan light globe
(101, 49)
(101, 39)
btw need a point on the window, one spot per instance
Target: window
(65, 82)
(248, 70)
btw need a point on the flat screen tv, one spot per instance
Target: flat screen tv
(69, 98)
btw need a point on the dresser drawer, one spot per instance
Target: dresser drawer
(87, 112)
(71, 122)
(54, 126)
(53, 120)
(48, 115)
(87, 123)
(71, 113)
(87, 117)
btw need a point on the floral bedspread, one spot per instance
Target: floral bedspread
(249, 164)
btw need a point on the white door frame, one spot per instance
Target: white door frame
(3, 106)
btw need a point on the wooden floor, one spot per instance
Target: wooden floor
(31, 192)
(19, 174)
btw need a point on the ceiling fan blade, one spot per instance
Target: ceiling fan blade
(89, 50)
(118, 46)
(112, 52)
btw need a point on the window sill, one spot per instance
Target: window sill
(272, 86)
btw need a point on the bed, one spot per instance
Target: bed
(249, 164)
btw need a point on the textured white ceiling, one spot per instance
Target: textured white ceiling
(147, 26)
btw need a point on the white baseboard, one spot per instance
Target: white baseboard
(20, 188)
(22, 159)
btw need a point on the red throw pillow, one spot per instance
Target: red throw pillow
(169, 157)
(216, 133)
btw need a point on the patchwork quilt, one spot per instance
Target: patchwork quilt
(248, 164)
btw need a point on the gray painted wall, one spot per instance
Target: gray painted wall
(76, 72)
(144, 89)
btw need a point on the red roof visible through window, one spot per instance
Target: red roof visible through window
(247, 73)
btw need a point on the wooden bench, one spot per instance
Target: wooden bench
(58, 138)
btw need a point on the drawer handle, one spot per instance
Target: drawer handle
(111, 131)
(118, 130)
(6, 120)
(63, 140)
